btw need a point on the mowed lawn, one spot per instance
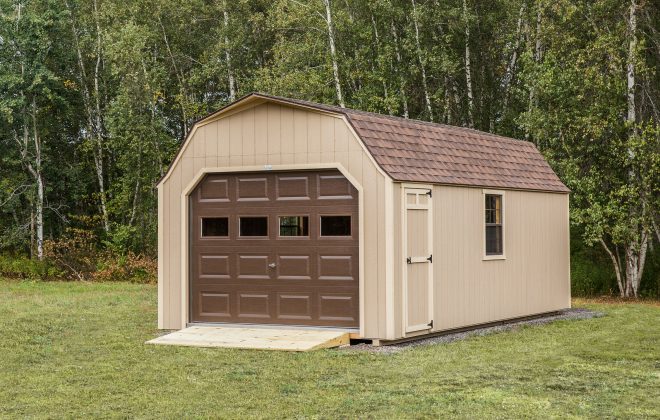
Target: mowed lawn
(77, 350)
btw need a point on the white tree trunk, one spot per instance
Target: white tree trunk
(230, 72)
(402, 81)
(377, 45)
(630, 74)
(617, 267)
(468, 71)
(94, 131)
(333, 52)
(511, 65)
(422, 63)
(40, 186)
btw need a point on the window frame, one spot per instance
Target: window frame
(485, 256)
(251, 237)
(279, 227)
(201, 227)
(350, 235)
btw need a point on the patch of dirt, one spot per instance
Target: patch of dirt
(568, 314)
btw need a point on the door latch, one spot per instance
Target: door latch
(272, 265)
(409, 260)
(430, 324)
(430, 258)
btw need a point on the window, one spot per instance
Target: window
(253, 226)
(335, 225)
(494, 234)
(215, 226)
(294, 226)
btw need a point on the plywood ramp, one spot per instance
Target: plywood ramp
(285, 339)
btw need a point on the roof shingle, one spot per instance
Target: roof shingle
(420, 151)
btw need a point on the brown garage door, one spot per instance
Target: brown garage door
(275, 248)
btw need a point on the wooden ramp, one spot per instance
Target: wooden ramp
(286, 339)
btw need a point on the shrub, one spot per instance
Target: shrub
(21, 267)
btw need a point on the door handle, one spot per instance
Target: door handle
(272, 265)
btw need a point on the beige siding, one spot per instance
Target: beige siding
(534, 278)
(275, 135)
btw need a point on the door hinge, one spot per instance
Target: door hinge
(409, 260)
(430, 324)
(430, 193)
(430, 258)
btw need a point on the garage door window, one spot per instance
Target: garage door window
(214, 227)
(253, 226)
(335, 225)
(294, 226)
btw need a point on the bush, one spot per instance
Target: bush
(21, 267)
(130, 267)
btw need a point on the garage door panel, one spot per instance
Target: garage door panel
(252, 189)
(294, 306)
(254, 305)
(214, 189)
(253, 267)
(294, 267)
(292, 187)
(337, 307)
(299, 278)
(334, 187)
(337, 267)
(214, 304)
(214, 266)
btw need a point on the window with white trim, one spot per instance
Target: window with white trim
(494, 225)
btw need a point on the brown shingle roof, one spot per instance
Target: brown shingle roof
(420, 151)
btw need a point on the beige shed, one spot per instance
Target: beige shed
(287, 212)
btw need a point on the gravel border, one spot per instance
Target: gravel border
(567, 314)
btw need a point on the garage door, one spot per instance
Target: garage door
(275, 248)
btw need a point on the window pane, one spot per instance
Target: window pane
(493, 208)
(253, 226)
(494, 240)
(294, 226)
(335, 225)
(215, 226)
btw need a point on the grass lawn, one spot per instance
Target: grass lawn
(76, 350)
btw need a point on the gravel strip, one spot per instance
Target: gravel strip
(568, 314)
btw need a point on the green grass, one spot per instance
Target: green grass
(76, 350)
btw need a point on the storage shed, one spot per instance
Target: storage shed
(287, 212)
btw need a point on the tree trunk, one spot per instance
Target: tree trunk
(617, 267)
(377, 45)
(537, 59)
(94, 132)
(511, 65)
(422, 64)
(630, 74)
(333, 52)
(402, 81)
(468, 72)
(230, 72)
(35, 170)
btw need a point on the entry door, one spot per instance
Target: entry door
(418, 272)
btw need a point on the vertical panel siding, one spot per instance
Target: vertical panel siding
(274, 134)
(534, 278)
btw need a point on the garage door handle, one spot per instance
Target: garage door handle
(272, 265)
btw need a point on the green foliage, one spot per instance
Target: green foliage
(112, 88)
(20, 267)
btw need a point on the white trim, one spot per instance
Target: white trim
(483, 226)
(185, 224)
(389, 259)
(418, 189)
(161, 257)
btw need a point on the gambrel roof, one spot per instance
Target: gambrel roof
(420, 151)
